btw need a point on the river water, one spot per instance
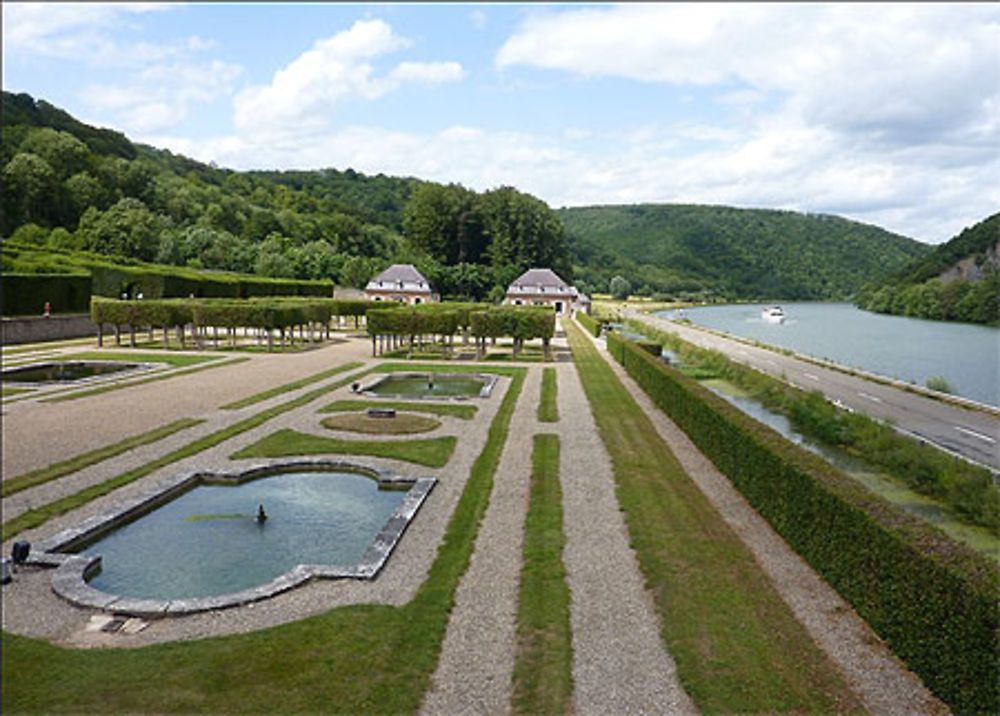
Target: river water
(909, 349)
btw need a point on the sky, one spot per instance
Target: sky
(883, 113)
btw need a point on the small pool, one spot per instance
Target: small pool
(197, 543)
(65, 371)
(432, 385)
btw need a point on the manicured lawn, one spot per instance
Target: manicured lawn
(548, 411)
(543, 672)
(433, 452)
(455, 410)
(142, 357)
(400, 424)
(737, 645)
(371, 659)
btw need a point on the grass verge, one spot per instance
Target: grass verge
(59, 469)
(131, 383)
(399, 424)
(38, 516)
(543, 670)
(455, 410)
(433, 452)
(737, 645)
(367, 658)
(548, 412)
(178, 361)
(288, 387)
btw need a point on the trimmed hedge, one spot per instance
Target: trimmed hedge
(591, 325)
(934, 601)
(26, 294)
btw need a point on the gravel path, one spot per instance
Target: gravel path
(619, 663)
(477, 656)
(39, 434)
(880, 680)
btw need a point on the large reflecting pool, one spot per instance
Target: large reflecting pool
(209, 541)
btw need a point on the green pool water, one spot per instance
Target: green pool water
(63, 371)
(208, 542)
(429, 386)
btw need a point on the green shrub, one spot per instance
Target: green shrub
(933, 601)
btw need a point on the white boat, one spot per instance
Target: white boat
(774, 314)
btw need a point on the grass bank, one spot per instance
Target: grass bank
(548, 410)
(737, 645)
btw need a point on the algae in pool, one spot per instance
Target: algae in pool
(63, 372)
(208, 541)
(429, 385)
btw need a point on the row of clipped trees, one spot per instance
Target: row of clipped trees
(388, 326)
(264, 316)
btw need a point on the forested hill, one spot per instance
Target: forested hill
(750, 253)
(959, 280)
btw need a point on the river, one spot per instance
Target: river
(910, 349)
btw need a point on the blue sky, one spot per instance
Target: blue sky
(888, 114)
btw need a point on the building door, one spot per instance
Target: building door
(559, 308)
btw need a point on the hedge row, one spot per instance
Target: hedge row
(933, 601)
(520, 322)
(26, 294)
(591, 325)
(411, 321)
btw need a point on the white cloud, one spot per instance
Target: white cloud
(301, 96)
(161, 96)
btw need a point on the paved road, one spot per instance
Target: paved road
(973, 434)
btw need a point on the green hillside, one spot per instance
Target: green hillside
(957, 281)
(749, 253)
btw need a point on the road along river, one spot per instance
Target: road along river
(972, 433)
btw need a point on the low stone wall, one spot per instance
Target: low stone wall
(34, 329)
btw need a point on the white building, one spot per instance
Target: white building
(543, 287)
(401, 283)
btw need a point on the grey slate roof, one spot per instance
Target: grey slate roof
(400, 272)
(546, 278)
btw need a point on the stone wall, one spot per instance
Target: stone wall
(38, 328)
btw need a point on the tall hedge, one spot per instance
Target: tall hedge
(26, 294)
(933, 600)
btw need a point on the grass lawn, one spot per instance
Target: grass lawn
(400, 424)
(543, 670)
(455, 410)
(140, 356)
(433, 452)
(737, 645)
(372, 659)
(548, 411)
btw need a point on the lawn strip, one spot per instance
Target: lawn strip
(737, 645)
(47, 346)
(543, 671)
(357, 659)
(59, 469)
(398, 424)
(287, 387)
(431, 452)
(39, 515)
(463, 411)
(5, 391)
(62, 397)
(178, 361)
(548, 411)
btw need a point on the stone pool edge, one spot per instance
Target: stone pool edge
(71, 570)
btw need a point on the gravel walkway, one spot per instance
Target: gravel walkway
(477, 656)
(39, 434)
(880, 680)
(619, 663)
